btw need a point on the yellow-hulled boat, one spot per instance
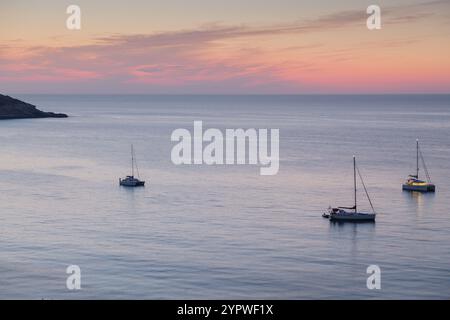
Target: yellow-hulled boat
(414, 183)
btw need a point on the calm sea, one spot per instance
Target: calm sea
(223, 231)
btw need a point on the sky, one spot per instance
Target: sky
(224, 47)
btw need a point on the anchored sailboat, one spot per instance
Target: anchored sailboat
(352, 213)
(131, 181)
(414, 183)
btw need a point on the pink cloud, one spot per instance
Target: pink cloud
(203, 58)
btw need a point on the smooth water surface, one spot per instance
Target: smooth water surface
(223, 231)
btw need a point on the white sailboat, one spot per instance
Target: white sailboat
(414, 183)
(132, 181)
(351, 214)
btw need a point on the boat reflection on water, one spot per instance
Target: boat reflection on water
(418, 202)
(354, 227)
(356, 234)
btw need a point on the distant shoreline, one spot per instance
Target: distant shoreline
(11, 108)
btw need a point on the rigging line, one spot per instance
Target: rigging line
(365, 189)
(137, 168)
(425, 166)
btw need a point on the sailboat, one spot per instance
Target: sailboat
(351, 213)
(414, 183)
(131, 181)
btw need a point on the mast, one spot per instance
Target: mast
(417, 158)
(132, 161)
(354, 178)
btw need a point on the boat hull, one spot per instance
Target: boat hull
(353, 217)
(131, 183)
(138, 184)
(422, 188)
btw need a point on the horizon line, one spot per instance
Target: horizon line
(239, 94)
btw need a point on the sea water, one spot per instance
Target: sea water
(219, 232)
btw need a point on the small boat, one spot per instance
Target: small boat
(413, 183)
(351, 214)
(132, 181)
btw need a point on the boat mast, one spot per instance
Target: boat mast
(417, 158)
(354, 178)
(132, 161)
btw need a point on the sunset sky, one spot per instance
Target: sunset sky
(224, 47)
